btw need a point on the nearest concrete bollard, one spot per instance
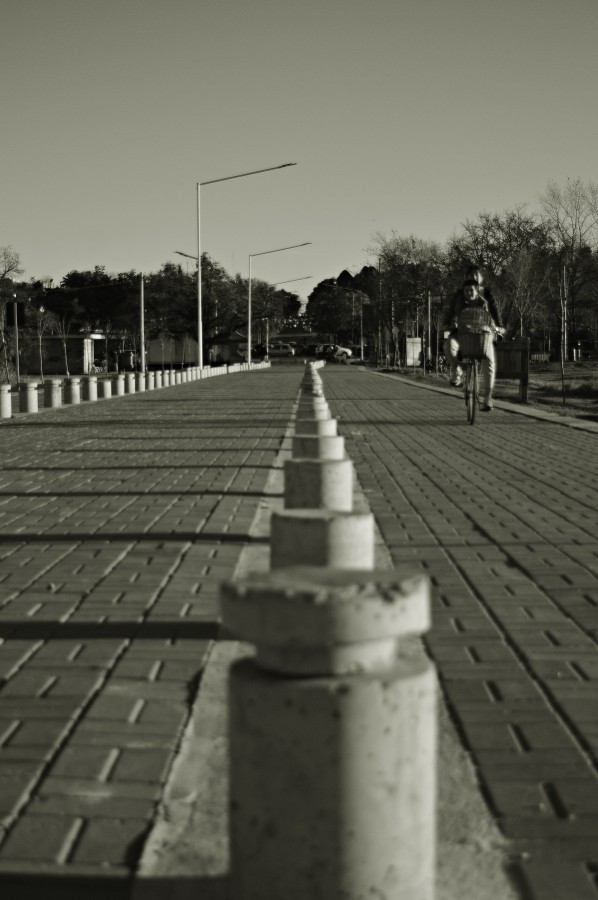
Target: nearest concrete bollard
(5, 402)
(332, 737)
(53, 393)
(28, 397)
(90, 388)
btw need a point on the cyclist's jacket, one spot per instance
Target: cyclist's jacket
(459, 302)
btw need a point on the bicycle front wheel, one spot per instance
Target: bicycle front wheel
(471, 390)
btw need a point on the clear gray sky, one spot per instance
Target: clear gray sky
(406, 115)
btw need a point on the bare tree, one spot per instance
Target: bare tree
(571, 214)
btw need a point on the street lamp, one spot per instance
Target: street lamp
(251, 255)
(198, 185)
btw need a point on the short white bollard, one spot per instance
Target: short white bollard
(5, 402)
(90, 388)
(28, 397)
(72, 391)
(150, 381)
(53, 393)
(178, 377)
(120, 385)
(140, 381)
(105, 388)
(159, 379)
(130, 382)
(332, 737)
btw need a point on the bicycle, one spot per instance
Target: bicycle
(477, 331)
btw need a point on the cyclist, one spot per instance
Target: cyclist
(471, 297)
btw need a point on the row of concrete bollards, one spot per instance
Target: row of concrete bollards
(72, 391)
(332, 722)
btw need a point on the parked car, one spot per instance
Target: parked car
(341, 354)
(280, 349)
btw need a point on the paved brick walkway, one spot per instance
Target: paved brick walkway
(118, 520)
(503, 517)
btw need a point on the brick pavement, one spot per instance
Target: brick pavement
(118, 520)
(503, 517)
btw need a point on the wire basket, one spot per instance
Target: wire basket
(475, 345)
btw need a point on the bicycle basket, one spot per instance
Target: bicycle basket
(474, 345)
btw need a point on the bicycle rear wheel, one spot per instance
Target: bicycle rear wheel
(471, 390)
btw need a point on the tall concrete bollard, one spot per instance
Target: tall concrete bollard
(140, 381)
(120, 385)
(91, 388)
(72, 391)
(332, 737)
(28, 397)
(130, 382)
(53, 393)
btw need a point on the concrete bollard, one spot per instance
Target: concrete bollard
(90, 388)
(120, 385)
(312, 411)
(166, 378)
(307, 446)
(318, 484)
(140, 381)
(105, 388)
(159, 379)
(53, 393)
(28, 397)
(332, 737)
(320, 537)
(130, 382)
(318, 427)
(72, 391)
(150, 381)
(178, 377)
(5, 402)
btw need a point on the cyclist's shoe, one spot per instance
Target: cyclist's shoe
(486, 407)
(458, 382)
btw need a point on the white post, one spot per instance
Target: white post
(142, 324)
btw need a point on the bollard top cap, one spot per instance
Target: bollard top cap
(304, 606)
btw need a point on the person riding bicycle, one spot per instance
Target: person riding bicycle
(469, 299)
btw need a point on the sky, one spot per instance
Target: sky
(406, 116)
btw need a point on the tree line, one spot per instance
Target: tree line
(96, 301)
(542, 268)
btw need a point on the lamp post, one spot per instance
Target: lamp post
(251, 255)
(199, 185)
